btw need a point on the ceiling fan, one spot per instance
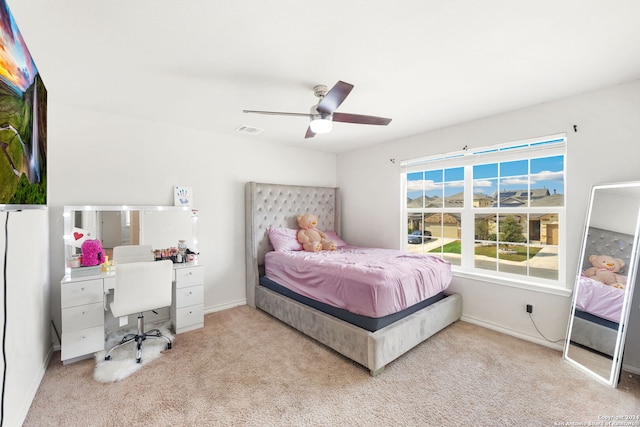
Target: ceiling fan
(323, 114)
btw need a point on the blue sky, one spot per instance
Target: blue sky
(16, 65)
(547, 172)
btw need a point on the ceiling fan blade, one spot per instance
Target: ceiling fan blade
(334, 97)
(360, 119)
(277, 113)
(309, 133)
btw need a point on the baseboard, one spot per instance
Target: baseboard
(502, 329)
(33, 389)
(631, 368)
(225, 306)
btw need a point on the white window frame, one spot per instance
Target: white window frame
(493, 154)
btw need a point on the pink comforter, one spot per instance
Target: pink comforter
(599, 299)
(367, 281)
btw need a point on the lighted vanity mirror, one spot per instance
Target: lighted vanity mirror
(158, 226)
(602, 297)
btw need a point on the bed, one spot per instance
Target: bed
(370, 345)
(598, 307)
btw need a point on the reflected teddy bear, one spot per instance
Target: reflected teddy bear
(605, 270)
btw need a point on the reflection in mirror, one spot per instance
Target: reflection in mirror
(604, 282)
(160, 226)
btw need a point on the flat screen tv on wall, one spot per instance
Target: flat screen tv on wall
(23, 122)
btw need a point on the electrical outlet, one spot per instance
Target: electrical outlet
(529, 308)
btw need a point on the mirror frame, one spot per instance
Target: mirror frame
(616, 363)
(68, 210)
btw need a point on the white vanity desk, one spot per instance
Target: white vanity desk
(86, 319)
(85, 300)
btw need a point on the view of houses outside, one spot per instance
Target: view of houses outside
(515, 208)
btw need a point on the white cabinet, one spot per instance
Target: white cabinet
(82, 317)
(187, 306)
(83, 301)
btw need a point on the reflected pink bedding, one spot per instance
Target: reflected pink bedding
(367, 281)
(599, 299)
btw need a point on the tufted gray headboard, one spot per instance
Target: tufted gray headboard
(607, 242)
(275, 205)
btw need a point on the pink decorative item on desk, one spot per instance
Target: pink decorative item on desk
(92, 253)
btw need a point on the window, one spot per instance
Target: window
(497, 210)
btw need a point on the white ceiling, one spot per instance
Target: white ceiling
(426, 64)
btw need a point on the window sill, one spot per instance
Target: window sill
(514, 283)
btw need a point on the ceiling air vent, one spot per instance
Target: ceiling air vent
(248, 129)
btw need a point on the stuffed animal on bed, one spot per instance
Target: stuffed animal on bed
(605, 270)
(312, 239)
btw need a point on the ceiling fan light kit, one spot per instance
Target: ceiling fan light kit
(320, 122)
(320, 125)
(322, 115)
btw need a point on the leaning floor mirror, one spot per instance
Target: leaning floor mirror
(603, 290)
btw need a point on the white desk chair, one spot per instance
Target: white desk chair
(139, 287)
(132, 253)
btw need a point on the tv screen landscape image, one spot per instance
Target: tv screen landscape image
(23, 120)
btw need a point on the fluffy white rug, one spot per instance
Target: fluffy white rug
(123, 359)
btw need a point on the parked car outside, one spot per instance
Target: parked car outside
(419, 236)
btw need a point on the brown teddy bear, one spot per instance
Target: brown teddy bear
(605, 269)
(312, 239)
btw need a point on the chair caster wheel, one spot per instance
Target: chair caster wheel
(139, 360)
(107, 358)
(169, 345)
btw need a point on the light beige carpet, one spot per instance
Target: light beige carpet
(246, 368)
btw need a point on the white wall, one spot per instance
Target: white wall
(103, 159)
(28, 339)
(605, 148)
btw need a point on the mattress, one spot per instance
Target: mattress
(369, 323)
(371, 282)
(599, 299)
(597, 320)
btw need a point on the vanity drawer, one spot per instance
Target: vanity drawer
(189, 276)
(187, 316)
(82, 317)
(82, 292)
(82, 342)
(189, 296)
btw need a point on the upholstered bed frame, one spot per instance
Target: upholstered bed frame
(587, 330)
(272, 205)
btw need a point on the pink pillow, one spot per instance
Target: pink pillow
(332, 235)
(284, 239)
